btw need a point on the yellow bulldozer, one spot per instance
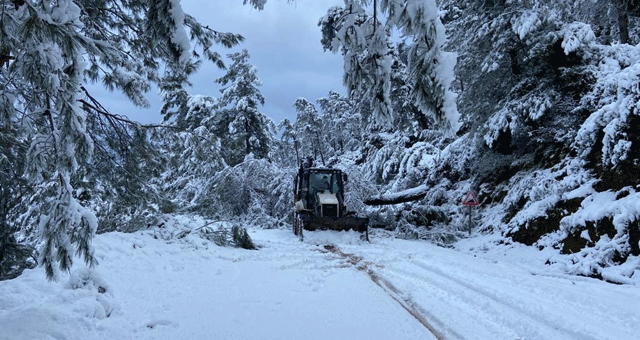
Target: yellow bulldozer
(319, 202)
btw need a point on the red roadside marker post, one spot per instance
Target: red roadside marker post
(470, 201)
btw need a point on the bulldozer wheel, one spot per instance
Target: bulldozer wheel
(298, 226)
(295, 224)
(300, 231)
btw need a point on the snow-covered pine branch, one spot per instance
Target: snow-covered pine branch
(49, 51)
(365, 39)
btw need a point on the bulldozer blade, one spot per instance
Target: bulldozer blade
(359, 224)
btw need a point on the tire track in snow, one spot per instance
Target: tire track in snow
(423, 316)
(411, 307)
(546, 323)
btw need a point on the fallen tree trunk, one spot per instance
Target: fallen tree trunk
(404, 196)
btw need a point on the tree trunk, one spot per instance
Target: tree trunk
(623, 20)
(247, 136)
(404, 196)
(320, 147)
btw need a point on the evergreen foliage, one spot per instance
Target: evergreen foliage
(364, 41)
(14, 192)
(244, 123)
(223, 237)
(48, 51)
(537, 112)
(288, 145)
(240, 238)
(341, 123)
(308, 129)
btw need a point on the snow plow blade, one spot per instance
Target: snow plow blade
(359, 224)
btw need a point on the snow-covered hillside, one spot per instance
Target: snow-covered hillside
(154, 284)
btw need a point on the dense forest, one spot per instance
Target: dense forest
(533, 105)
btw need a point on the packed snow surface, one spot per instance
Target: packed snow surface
(161, 284)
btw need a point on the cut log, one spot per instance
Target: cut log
(404, 196)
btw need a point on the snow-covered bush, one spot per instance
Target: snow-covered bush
(235, 236)
(100, 307)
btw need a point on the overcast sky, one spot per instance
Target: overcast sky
(284, 43)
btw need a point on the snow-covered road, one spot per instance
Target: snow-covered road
(468, 297)
(388, 289)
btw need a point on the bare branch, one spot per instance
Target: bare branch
(99, 108)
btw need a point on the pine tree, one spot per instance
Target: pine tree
(308, 129)
(47, 52)
(195, 154)
(287, 152)
(239, 108)
(342, 126)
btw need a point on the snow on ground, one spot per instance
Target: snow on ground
(192, 289)
(188, 288)
(497, 296)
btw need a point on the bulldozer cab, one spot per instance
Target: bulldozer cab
(319, 202)
(323, 182)
(320, 188)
